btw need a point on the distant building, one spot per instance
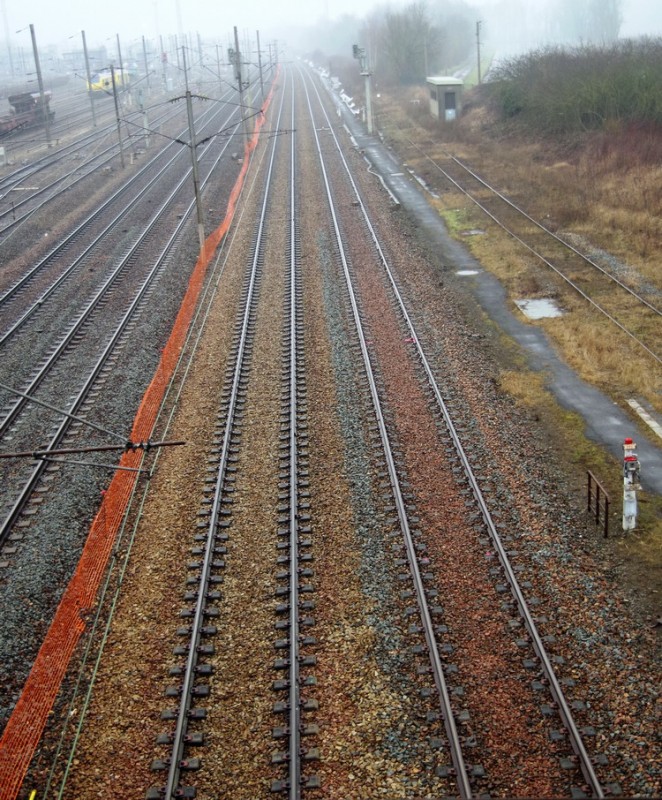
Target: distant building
(74, 60)
(445, 97)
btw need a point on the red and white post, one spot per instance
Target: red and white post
(631, 484)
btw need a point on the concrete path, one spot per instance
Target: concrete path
(606, 423)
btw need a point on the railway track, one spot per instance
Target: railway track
(89, 152)
(32, 199)
(126, 198)
(295, 573)
(487, 705)
(464, 776)
(207, 571)
(88, 332)
(634, 311)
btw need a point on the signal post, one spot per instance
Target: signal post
(631, 484)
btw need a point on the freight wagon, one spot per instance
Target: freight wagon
(27, 111)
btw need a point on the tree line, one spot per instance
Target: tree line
(405, 44)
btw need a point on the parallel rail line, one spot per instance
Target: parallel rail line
(26, 203)
(135, 182)
(457, 756)
(208, 568)
(650, 308)
(461, 772)
(135, 304)
(294, 462)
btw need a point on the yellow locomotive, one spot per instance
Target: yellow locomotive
(101, 83)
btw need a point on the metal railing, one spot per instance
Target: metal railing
(597, 502)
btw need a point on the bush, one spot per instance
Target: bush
(563, 91)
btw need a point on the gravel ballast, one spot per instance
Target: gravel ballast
(375, 738)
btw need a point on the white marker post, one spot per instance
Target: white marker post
(631, 485)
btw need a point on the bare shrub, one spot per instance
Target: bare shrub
(562, 91)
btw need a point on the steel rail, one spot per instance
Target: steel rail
(186, 697)
(97, 213)
(461, 772)
(91, 659)
(72, 411)
(62, 278)
(107, 155)
(295, 721)
(51, 157)
(565, 713)
(539, 225)
(559, 272)
(19, 175)
(101, 293)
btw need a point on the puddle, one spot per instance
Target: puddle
(539, 308)
(467, 272)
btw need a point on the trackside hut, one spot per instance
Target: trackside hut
(445, 97)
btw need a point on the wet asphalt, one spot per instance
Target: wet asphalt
(606, 423)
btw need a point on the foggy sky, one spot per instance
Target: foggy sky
(60, 22)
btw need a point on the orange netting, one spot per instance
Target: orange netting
(26, 724)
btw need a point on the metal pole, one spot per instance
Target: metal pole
(6, 26)
(194, 159)
(218, 67)
(194, 162)
(163, 64)
(246, 73)
(185, 68)
(119, 55)
(146, 66)
(478, 24)
(259, 65)
(176, 41)
(89, 79)
(237, 56)
(368, 101)
(146, 127)
(42, 96)
(117, 114)
(180, 27)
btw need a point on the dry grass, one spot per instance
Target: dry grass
(604, 190)
(528, 388)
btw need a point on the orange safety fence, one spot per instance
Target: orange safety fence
(25, 726)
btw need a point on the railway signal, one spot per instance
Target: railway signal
(631, 484)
